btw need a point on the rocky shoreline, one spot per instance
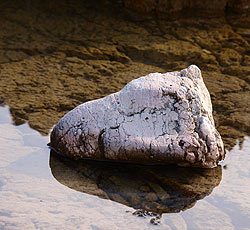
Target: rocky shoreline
(55, 57)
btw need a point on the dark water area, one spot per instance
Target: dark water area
(159, 189)
(56, 55)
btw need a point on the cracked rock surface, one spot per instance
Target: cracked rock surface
(158, 118)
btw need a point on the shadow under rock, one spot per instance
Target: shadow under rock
(158, 189)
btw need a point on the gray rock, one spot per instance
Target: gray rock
(159, 118)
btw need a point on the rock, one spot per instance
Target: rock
(155, 221)
(44, 76)
(170, 6)
(211, 7)
(159, 118)
(240, 6)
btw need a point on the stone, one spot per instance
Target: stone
(155, 119)
(44, 76)
(211, 7)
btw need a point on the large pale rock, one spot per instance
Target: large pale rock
(159, 118)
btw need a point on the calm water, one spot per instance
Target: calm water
(31, 197)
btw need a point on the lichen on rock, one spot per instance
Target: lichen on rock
(155, 119)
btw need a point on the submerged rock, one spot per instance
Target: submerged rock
(159, 118)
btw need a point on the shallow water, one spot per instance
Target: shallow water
(54, 57)
(79, 196)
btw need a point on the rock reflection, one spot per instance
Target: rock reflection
(158, 189)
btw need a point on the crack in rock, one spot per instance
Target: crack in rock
(155, 119)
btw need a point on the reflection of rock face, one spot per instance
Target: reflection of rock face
(158, 118)
(158, 189)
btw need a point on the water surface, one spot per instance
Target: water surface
(83, 197)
